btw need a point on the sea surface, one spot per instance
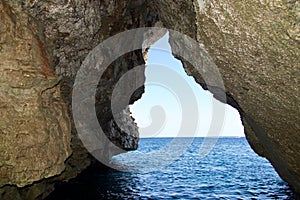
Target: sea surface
(228, 169)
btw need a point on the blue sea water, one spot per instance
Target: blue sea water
(231, 170)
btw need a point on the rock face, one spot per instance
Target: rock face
(34, 123)
(51, 39)
(254, 43)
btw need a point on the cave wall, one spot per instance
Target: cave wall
(255, 45)
(35, 127)
(67, 31)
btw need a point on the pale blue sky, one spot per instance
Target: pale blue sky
(159, 112)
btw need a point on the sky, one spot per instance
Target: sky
(174, 105)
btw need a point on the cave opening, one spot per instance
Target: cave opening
(159, 170)
(159, 112)
(174, 161)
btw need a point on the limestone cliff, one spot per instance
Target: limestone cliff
(255, 44)
(258, 53)
(44, 44)
(35, 128)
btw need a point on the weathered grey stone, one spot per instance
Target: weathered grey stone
(256, 46)
(127, 130)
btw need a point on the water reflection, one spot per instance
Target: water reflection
(97, 182)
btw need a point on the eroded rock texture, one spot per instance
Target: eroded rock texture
(71, 30)
(34, 123)
(255, 45)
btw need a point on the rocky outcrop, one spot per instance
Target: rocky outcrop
(44, 40)
(35, 127)
(255, 45)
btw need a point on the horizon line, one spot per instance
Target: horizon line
(195, 137)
